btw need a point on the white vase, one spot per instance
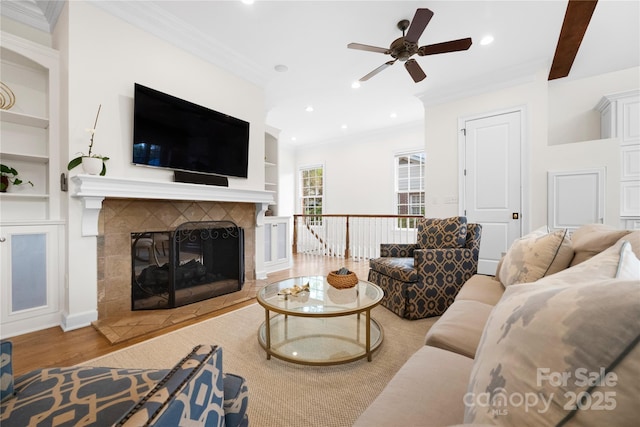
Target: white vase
(92, 165)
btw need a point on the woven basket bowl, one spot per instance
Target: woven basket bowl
(342, 281)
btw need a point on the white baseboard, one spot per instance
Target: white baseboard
(78, 320)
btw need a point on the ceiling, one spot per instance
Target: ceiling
(310, 38)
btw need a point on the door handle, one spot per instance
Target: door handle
(515, 215)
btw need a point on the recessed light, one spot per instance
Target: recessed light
(247, 1)
(393, 115)
(488, 39)
(309, 109)
(293, 138)
(343, 127)
(281, 68)
(355, 85)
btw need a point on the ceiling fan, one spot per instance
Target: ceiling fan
(576, 20)
(405, 47)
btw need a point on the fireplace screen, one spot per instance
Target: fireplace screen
(196, 261)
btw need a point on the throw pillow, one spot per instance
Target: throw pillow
(534, 256)
(557, 352)
(591, 239)
(436, 233)
(605, 265)
(629, 265)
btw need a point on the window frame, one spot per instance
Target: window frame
(301, 197)
(421, 193)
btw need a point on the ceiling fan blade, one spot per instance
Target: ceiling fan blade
(444, 47)
(415, 70)
(576, 21)
(368, 48)
(377, 70)
(419, 23)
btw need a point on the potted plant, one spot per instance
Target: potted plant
(9, 175)
(91, 163)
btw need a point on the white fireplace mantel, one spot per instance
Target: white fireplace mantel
(92, 190)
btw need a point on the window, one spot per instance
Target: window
(312, 186)
(410, 187)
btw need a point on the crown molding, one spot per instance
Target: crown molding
(51, 10)
(153, 19)
(26, 12)
(486, 83)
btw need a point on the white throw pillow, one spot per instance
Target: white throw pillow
(629, 265)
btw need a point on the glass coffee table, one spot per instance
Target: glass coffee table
(321, 326)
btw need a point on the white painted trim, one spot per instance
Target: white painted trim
(92, 190)
(79, 320)
(553, 208)
(160, 23)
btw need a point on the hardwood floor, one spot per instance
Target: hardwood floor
(53, 347)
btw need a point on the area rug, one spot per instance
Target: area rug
(283, 394)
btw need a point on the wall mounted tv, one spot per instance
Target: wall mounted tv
(172, 133)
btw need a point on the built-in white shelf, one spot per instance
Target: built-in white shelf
(24, 157)
(24, 119)
(23, 196)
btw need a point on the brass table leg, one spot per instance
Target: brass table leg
(267, 324)
(368, 335)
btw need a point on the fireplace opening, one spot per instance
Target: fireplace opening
(194, 262)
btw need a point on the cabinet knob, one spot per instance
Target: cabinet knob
(2, 240)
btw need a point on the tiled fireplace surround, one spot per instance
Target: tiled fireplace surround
(121, 217)
(113, 208)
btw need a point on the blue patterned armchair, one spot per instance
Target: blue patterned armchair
(422, 279)
(194, 392)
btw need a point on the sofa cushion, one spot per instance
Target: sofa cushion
(591, 239)
(542, 343)
(398, 268)
(481, 288)
(437, 233)
(6, 370)
(426, 391)
(536, 255)
(460, 327)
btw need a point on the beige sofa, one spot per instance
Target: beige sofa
(551, 340)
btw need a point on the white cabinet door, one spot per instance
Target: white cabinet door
(29, 278)
(277, 247)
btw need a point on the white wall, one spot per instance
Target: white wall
(558, 116)
(359, 172)
(572, 117)
(539, 99)
(442, 136)
(105, 57)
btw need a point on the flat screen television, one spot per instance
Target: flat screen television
(172, 133)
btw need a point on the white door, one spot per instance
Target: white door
(492, 183)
